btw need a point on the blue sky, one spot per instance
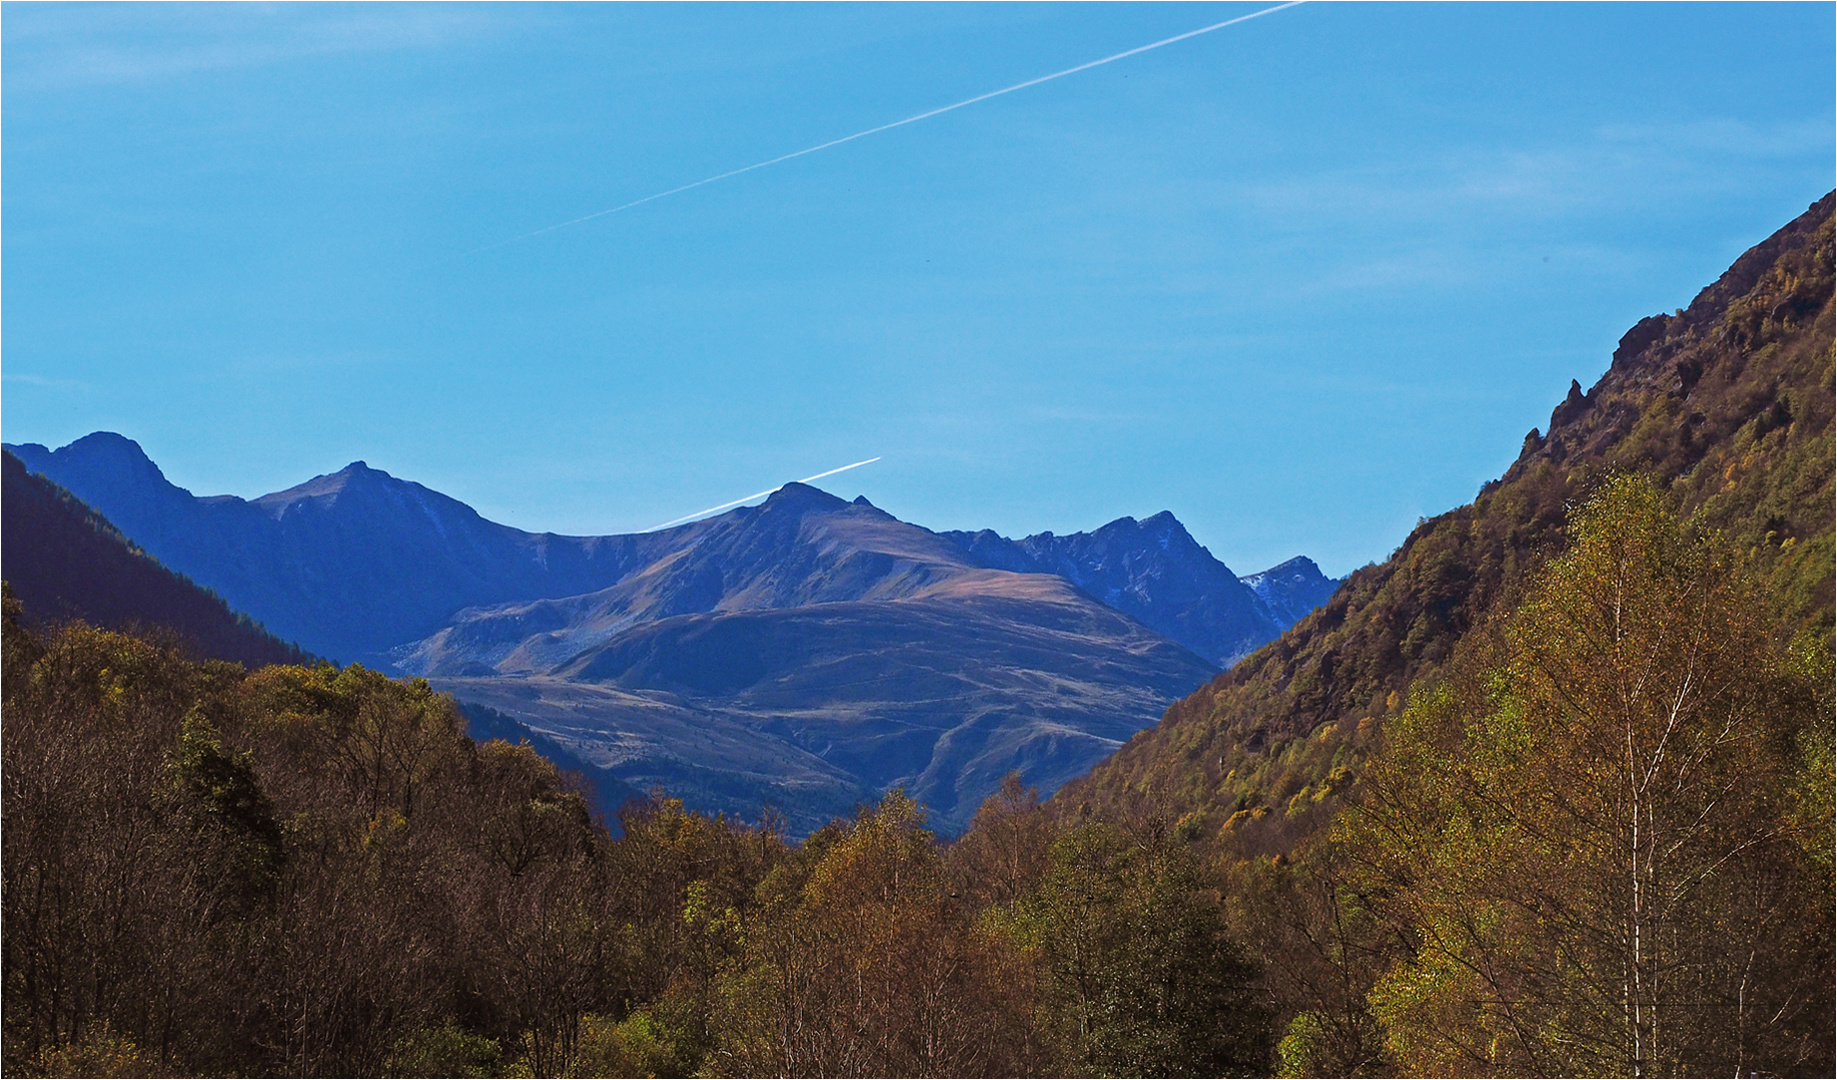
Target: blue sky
(1299, 281)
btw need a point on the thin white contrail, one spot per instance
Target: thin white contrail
(757, 495)
(887, 127)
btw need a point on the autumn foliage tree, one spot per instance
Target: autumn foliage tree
(299, 871)
(1601, 844)
(859, 961)
(1587, 835)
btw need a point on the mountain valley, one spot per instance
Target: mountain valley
(1454, 731)
(807, 653)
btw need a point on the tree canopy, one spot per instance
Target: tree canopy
(1587, 846)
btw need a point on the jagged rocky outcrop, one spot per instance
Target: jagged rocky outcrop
(1289, 590)
(1155, 571)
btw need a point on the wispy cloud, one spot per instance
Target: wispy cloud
(1596, 170)
(59, 47)
(42, 382)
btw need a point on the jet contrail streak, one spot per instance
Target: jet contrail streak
(756, 495)
(887, 127)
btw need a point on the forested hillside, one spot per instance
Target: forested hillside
(1549, 792)
(65, 561)
(1598, 844)
(1726, 405)
(314, 872)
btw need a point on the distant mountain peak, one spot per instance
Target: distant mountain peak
(67, 561)
(97, 440)
(355, 476)
(803, 499)
(1151, 570)
(1293, 588)
(1163, 530)
(118, 453)
(1299, 565)
(1167, 529)
(1165, 521)
(359, 473)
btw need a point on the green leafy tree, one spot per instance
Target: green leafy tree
(1320, 949)
(1142, 977)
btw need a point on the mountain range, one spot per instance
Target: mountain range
(808, 653)
(812, 652)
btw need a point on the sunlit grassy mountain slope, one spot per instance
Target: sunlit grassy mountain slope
(811, 652)
(1727, 404)
(65, 561)
(803, 546)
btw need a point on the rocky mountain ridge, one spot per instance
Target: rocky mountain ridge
(357, 564)
(1154, 571)
(348, 564)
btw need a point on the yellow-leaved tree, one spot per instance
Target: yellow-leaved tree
(859, 961)
(1588, 841)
